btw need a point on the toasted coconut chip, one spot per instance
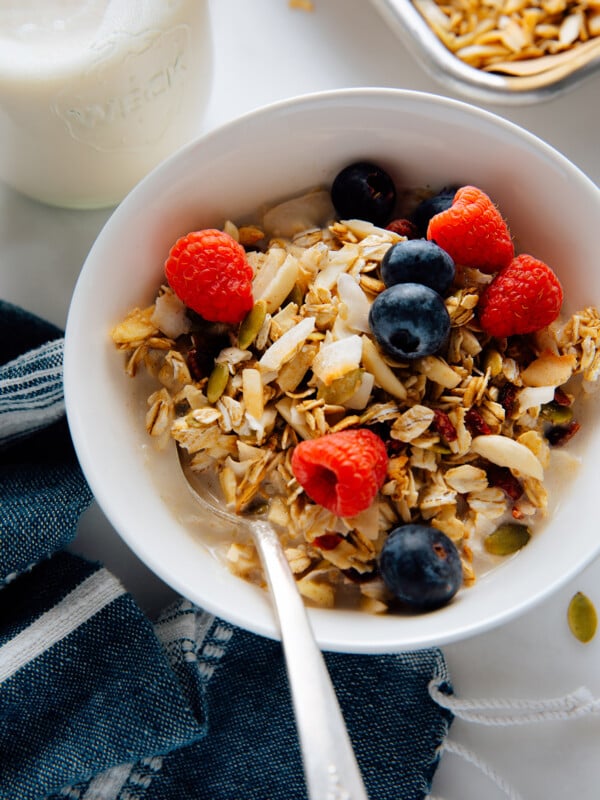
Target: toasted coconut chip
(336, 359)
(274, 288)
(170, 315)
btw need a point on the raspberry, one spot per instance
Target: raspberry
(341, 471)
(524, 297)
(473, 232)
(209, 272)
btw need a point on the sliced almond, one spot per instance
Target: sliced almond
(506, 452)
(549, 369)
(438, 371)
(384, 377)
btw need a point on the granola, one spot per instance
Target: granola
(466, 430)
(494, 34)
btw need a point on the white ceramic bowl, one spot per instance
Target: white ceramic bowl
(271, 154)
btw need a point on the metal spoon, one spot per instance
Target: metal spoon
(330, 767)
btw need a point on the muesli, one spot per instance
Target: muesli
(468, 430)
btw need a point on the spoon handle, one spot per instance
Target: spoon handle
(330, 767)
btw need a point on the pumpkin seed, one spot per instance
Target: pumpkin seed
(295, 296)
(492, 360)
(442, 449)
(217, 382)
(582, 617)
(251, 324)
(557, 414)
(507, 539)
(341, 389)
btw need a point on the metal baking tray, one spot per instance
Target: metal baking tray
(421, 41)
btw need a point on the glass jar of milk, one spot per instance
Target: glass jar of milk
(95, 93)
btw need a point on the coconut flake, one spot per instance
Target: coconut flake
(335, 359)
(356, 302)
(287, 345)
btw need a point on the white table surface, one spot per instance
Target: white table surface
(266, 51)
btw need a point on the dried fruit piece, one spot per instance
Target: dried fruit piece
(442, 424)
(582, 617)
(503, 478)
(473, 231)
(507, 397)
(507, 539)
(209, 272)
(328, 541)
(341, 471)
(475, 423)
(524, 297)
(403, 227)
(558, 435)
(561, 398)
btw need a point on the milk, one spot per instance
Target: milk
(95, 93)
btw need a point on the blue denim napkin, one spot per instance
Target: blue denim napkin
(99, 703)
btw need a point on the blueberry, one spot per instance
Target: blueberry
(364, 191)
(420, 566)
(409, 321)
(418, 261)
(431, 206)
